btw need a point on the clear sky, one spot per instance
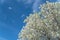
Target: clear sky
(12, 14)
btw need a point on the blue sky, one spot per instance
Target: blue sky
(12, 14)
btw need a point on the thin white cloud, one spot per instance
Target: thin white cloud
(7, 27)
(35, 3)
(2, 1)
(58, 0)
(23, 15)
(18, 0)
(2, 38)
(9, 8)
(29, 1)
(25, 1)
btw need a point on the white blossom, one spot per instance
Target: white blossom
(47, 28)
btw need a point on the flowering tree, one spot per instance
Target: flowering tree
(44, 25)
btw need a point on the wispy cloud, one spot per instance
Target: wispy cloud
(22, 15)
(2, 38)
(7, 27)
(2, 1)
(58, 0)
(25, 1)
(35, 3)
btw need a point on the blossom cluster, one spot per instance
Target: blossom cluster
(44, 25)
